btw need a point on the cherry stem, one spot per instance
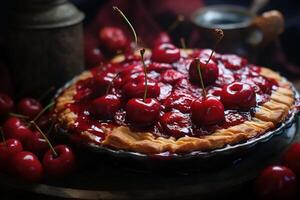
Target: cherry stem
(2, 135)
(220, 35)
(128, 22)
(18, 115)
(46, 93)
(200, 76)
(45, 137)
(112, 83)
(142, 51)
(43, 111)
(182, 42)
(173, 26)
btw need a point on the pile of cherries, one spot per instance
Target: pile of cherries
(25, 150)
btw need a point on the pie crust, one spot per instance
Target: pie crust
(267, 116)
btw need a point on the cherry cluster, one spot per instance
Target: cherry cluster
(25, 150)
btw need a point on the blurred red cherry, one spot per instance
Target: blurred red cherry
(29, 107)
(6, 104)
(113, 38)
(276, 182)
(291, 158)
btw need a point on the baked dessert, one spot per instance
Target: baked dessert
(105, 106)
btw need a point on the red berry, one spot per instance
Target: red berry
(238, 96)
(291, 158)
(165, 53)
(7, 151)
(276, 182)
(135, 88)
(29, 107)
(210, 71)
(106, 106)
(176, 124)
(44, 121)
(60, 165)
(162, 38)
(93, 57)
(16, 129)
(27, 166)
(142, 113)
(6, 104)
(209, 111)
(113, 38)
(36, 144)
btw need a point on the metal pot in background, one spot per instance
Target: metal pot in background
(45, 44)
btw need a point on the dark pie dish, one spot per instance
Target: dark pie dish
(245, 126)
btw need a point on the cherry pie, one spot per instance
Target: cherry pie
(105, 106)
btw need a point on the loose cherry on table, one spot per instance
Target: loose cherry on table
(163, 37)
(207, 111)
(61, 164)
(209, 71)
(29, 107)
(238, 95)
(291, 158)
(44, 121)
(176, 124)
(142, 112)
(165, 53)
(276, 182)
(113, 38)
(106, 106)
(27, 166)
(36, 144)
(17, 129)
(7, 150)
(6, 104)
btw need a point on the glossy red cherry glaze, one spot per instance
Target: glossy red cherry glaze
(106, 106)
(165, 53)
(171, 87)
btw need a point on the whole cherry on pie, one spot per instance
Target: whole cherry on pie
(6, 104)
(106, 106)
(113, 38)
(238, 95)
(142, 112)
(209, 71)
(165, 53)
(135, 88)
(207, 111)
(163, 37)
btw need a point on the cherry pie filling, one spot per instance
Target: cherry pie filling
(175, 105)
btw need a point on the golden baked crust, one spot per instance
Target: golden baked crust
(267, 116)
